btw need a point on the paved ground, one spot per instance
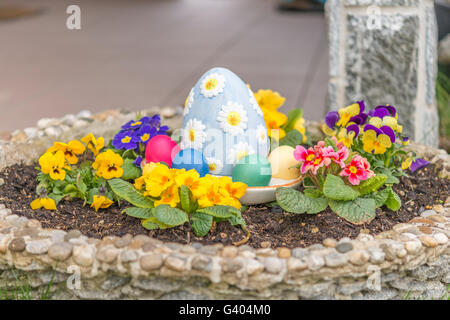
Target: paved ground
(135, 54)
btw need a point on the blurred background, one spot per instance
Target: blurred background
(136, 54)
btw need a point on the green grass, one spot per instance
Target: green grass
(445, 296)
(22, 289)
(443, 101)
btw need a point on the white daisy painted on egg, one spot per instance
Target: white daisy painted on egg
(254, 103)
(261, 134)
(189, 102)
(212, 85)
(233, 118)
(239, 151)
(194, 134)
(215, 165)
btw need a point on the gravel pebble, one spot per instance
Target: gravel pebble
(440, 238)
(273, 265)
(428, 241)
(413, 247)
(17, 245)
(151, 262)
(38, 246)
(60, 251)
(335, 259)
(344, 247)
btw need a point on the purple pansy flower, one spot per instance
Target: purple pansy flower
(331, 118)
(145, 133)
(138, 161)
(354, 128)
(418, 164)
(389, 132)
(371, 127)
(163, 130)
(362, 106)
(360, 119)
(125, 139)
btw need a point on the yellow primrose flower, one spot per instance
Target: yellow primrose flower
(346, 137)
(231, 189)
(268, 99)
(46, 203)
(70, 150)
(54, 164)
(346, 113)
(108, 165)
(274, 120)
(200, 187)
(101, 202)
(210, 198)
(95, 145)
(377, 144)
(406, 163)
(158, 181)
(301, 128)
(170, 197)
(187, 178)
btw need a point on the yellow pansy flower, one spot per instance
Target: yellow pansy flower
(101, 202)
(108, 165)
(376, 121)
(268, 99)
(46, 203)
(376, 144)
(327, 130)
(346, 137)
(274, 120)
(95, 145)
(346, 113)
(71, 150)
(54, 164)
(170, 197)
(406, 163)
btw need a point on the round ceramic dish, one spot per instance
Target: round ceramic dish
(258, 195)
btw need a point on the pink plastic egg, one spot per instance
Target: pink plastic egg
(161, 148)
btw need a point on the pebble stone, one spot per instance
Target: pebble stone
(299, 253)
(294, 264)
(284, 253)
(4, 239)
(107, 254)
(334, 259)
(128, 256)
(17, 245)
(428, 241)
(440, 238)
(427, 213)
(124, 241)
(437, 218)
(425, 229)
(175, 263)
(315, 262)
(229, 252)
(72, 234)
(413, 247)
(273, 265)
(376, 255)
(330, 243)
(151, 262)
(254, 267)
(38, 246)
(344, 247)
(201, 263)
(60, 251)
(358, 257)
(83, 255)
(209, 250)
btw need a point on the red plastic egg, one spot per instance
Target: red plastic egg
(161, 148)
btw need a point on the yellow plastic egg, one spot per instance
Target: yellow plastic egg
(282, 160)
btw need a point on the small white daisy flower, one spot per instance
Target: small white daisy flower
(239, 151)
(212, 85)
(254, 103)
(261, 134)
(233, 118)
(215, 165)
(193, 135)
(190, 101)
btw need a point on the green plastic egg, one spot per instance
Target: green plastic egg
(253, 170)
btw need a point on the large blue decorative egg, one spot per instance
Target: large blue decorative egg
(190, 159)
(223, 121)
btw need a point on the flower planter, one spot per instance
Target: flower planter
(411, 260)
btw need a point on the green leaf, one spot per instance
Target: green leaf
(334, 188)
(201, 223)
(153, 223)
(237, 221)
(293, 138)
(371, 185)
(294, 201)
(128, 192)
(222, 212)
(358, 211)
(380, 197)
(130, 171)
(293, 116)
(56, 197)
(91, 193)
(187, 202)
(141, 213)
(170, 216)
(312, 193)
(391, 179)
(393, 201)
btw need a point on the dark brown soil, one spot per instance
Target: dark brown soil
(266, 223)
